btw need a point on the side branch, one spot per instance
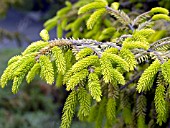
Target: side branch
(77, 45)
(134, 78)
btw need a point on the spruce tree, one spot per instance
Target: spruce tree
(123, 82)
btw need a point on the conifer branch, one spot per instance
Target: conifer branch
(95, 68)
(134, 78)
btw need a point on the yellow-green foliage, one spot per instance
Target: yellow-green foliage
(93, 113)
(64, 23)
(93, 69)
(59, 80)
(141, 122)
(94, 86)
(138, 40)
(159, 10)
(19, 74)
(95, 17)
(69, 59)
(116, 59)
(67, 76)
(34, 47)
(59, 31)
(69, 110)
(51, 23)
(127, 115)
(85, 62)
(110, 74)
(85, 101)
(90, 6)
(8, 74)
(47, 71)
(59, 59)
(101, 113)
(111, 109)
(115, 5)
(31, 74)
(83, 53)
(44, 35)
(64, 10)
(129, 57)
(145, 32)
(107, 33)
(118, 76)
(157, 35)
(135, 44)
(166, 71)
(146, 80)
(141, 111)
(111, 50)
(14, 59)
(161, 16)
(106, 68)
(76, 79)
(160, 102)
(78, 23)
(109, 30)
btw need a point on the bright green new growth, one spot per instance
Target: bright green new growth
(166, 71)
(95, 17)
(94, 86)
(69, 109)
(59, 59)
(47, 71)
(106, 68)
(160, 102)
(101, 113)
(147, 78)
(109, 82)
(44, 35)
(111, 50)
(7, 74)
(135, 44)
(85, 62)
(83, 53)
(115, 5)
(146, 33)
(111, 109)
(85, 103)
(31, 74)
(20, 73)
(116, 59)
(35, 47)
(109, 73)
(76, 79)
(161, 16)
(14, 59)
(90, 6)
(64, 10)
(160, 10)
(129, 57)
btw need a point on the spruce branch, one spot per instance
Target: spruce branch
(90, 68)
(157, 54)
(134, 78)
(140, 17)
(121, 17)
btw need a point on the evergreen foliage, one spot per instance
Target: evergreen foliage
(85, 103)
(108, 81)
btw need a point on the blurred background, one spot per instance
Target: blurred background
(38, 105)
